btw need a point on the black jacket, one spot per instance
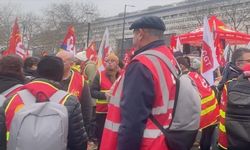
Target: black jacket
(77, 136)
(85, 101)
(9, 80)
(30, 74)
(230, 71)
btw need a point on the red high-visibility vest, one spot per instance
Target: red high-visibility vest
(162, 108)
(209, 103)
(222, 140)
(105, 85)
(16, 104)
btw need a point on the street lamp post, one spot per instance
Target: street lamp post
(88, 20)
(123, 27)
(247, 27)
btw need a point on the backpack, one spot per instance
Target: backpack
(4, 95)
(237, 120)
(39, 125)
(183, 128)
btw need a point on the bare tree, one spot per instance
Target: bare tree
(236, 14)
(8, 13)
(68, 13)
(59, 15)
(200, 13)
(30, 25)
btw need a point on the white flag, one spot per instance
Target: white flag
(209, 61)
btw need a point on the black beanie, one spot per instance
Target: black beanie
(50, 67)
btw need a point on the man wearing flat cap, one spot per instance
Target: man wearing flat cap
(139, 93)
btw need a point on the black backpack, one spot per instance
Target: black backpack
(238, 114)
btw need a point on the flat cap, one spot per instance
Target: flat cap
(151, 22)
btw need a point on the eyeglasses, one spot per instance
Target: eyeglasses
(67, 61)
(244, 60)
(110, 61)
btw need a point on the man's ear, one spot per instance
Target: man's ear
(182, 67)
(140, 34)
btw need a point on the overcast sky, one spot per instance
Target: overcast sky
(106, 7)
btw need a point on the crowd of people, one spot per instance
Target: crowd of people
(65, 102)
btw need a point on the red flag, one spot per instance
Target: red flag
(15, 43)
(91, 51)
(208, 59)
(219, 51)
(172, 43)
(214, 25)
(69, 42)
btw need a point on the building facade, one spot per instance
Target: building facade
(178, 17)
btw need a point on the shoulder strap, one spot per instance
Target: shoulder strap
(26, 97)
(161, 56)
(58, 96)
(5, 93)
(173, 70)
(2, 100)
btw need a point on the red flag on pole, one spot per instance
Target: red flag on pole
(69, 42)
(15, 43)
(208, 59)
(91, 51)
(172, 43)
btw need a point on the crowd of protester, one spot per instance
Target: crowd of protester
(122, 108)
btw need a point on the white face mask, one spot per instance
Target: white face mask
(34, 67)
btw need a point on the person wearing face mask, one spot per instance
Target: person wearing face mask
(240, 58)
(138, 93)
(74, 83)
(209, 103)
(100, 90)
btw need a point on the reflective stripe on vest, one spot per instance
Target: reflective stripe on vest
(211, 108)
(148, 133)
(6, 109)
(105, 85)
(209, 104)
(167, 104)
(161, 109)
(42, 82)
(222, 126)
(209, 98)
(222, 141)
(222, 114)
(164, 88)
(102, 101)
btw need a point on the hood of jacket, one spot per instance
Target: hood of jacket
(8, 81)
